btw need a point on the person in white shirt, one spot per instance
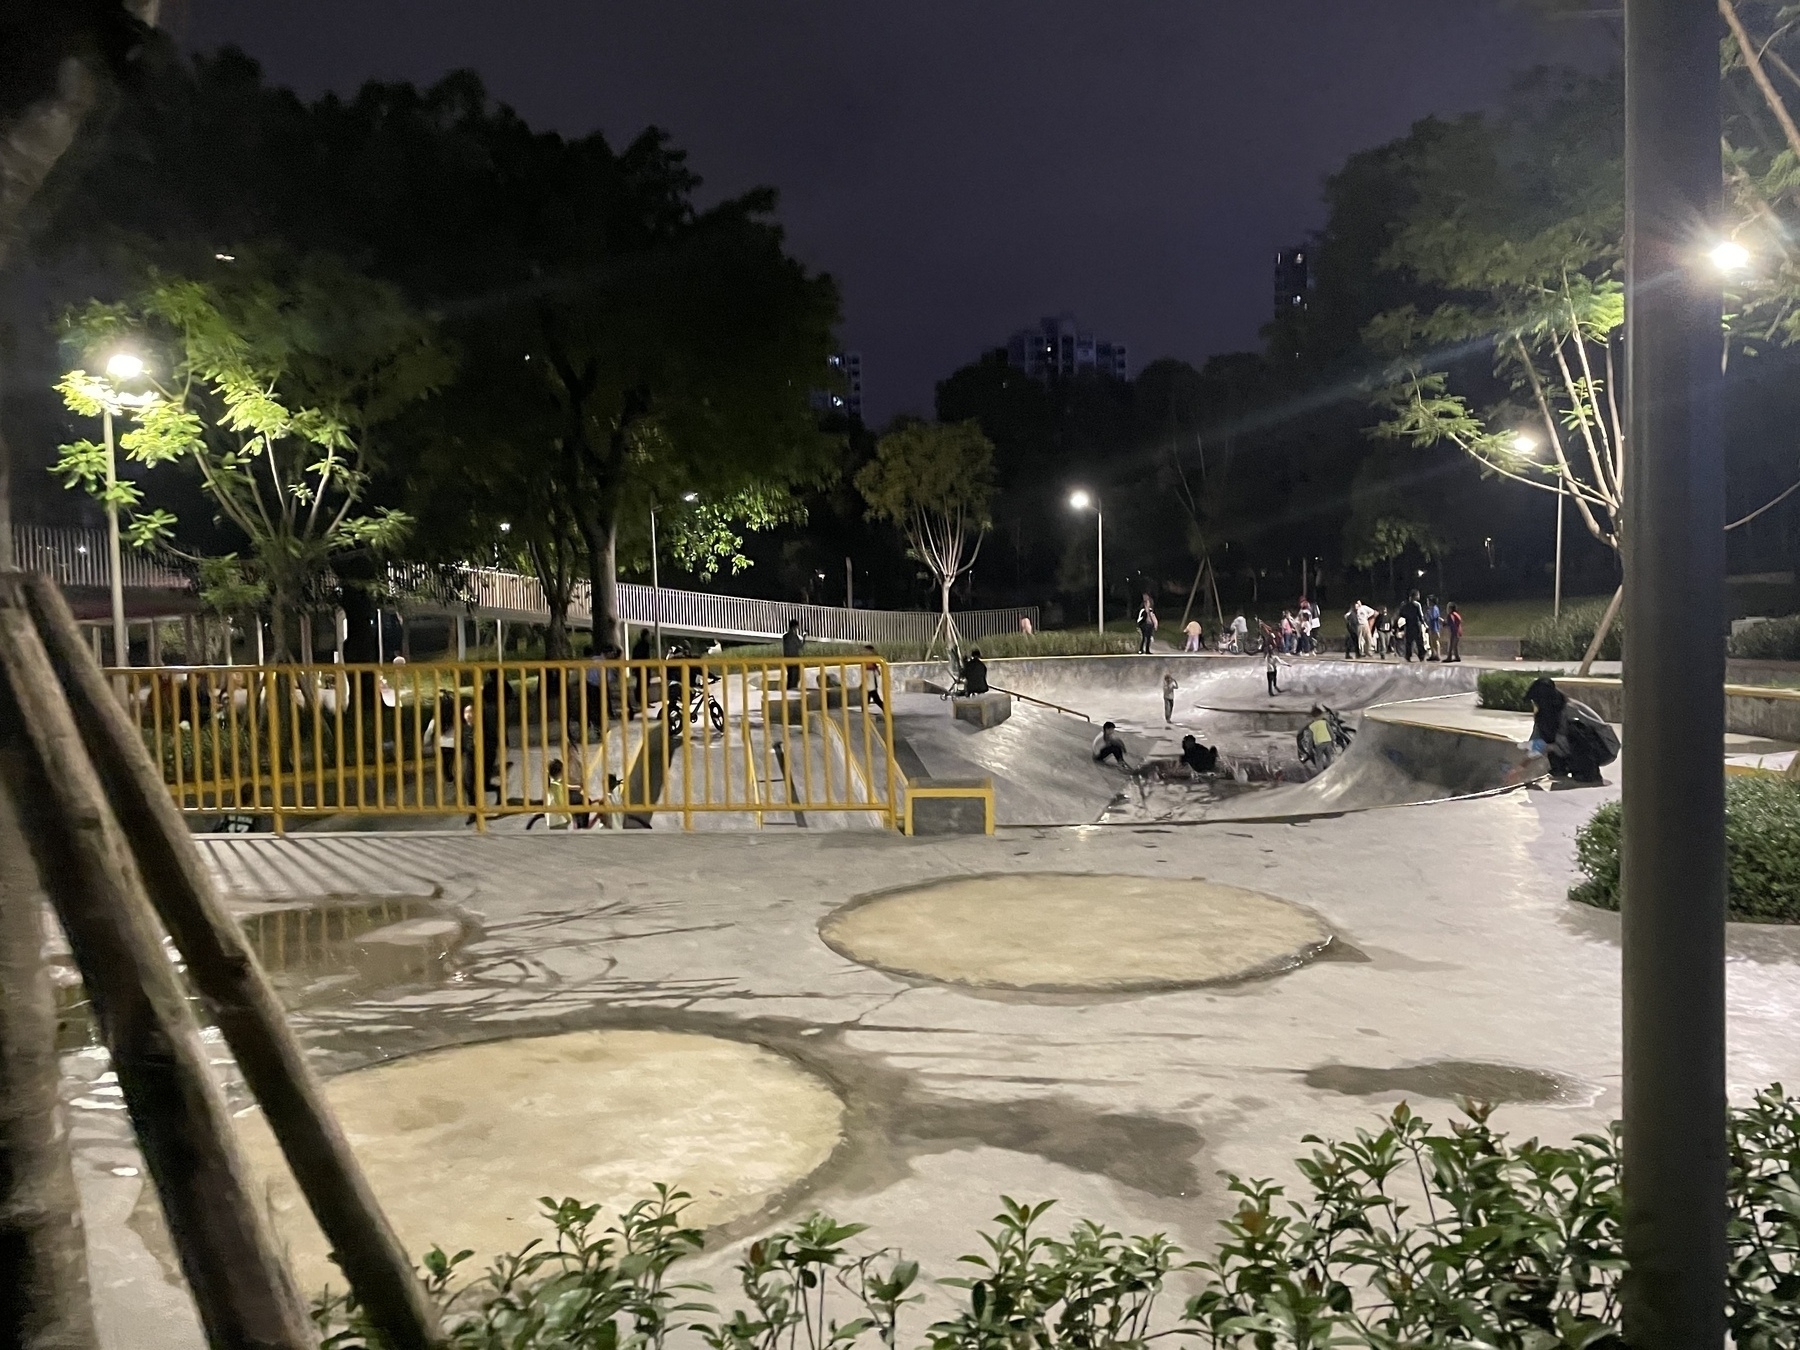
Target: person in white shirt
(1238, 629)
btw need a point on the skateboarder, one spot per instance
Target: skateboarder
(1110, 745)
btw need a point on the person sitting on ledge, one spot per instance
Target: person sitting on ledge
(974, 674)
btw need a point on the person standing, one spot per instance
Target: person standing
(1239, 630)
(1453, 625)
(1194, 634)
(1365, 624)
(1412, 614)
(1169, 686)
(1353, 630)
(792, 645)
(1434, 627)
(1146, 625)
(1273, 669)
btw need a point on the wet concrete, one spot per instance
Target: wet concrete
(1449, 1080)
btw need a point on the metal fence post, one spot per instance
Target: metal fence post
(1674, 825)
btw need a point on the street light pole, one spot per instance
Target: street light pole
(1673, 850)
(1100, 569)
(655, 587)
(114, 559)
(1556, 600)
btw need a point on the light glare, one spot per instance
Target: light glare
(1730, 256)
(124, 366)
(1524, 442)
(1080, 500)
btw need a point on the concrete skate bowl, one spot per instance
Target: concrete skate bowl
(1044, 775)
(1398, 758)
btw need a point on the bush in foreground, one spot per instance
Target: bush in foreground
(1566, 638)
(1403, 1237)
(1762, 850)
(1505, 689)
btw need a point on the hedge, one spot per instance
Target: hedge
(1566, 638)
(1762, 848)
(1771, 640)
(1505, 689)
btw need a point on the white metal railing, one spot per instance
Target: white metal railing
(494, 592)
(79, 558)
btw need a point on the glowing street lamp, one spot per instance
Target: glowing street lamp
(1729, 256)
(1081, 500)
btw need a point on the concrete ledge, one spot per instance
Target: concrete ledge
(949, 806)
(983, 710)
(1750, 710)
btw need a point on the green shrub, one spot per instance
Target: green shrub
(1762, 849)
(1771, 640)
(1566, 638)
(1402, 1237)
(1505, 689)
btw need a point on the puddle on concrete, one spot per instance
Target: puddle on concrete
(336, 946)
(1449, 1079)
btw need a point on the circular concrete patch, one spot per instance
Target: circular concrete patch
(460, 1143)
(1067, 932)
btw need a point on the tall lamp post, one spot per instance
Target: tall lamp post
(1526, 444)
(119, 366)
(1672, 920)
(656, 575)
(1081, 500)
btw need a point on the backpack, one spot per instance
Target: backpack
(1591, 731)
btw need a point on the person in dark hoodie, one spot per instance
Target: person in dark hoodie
(1572, 736)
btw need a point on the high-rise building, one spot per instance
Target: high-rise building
(1293, 279)
(847, 366)
(1058, 347)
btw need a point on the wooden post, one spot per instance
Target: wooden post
(43, 1258)
(241, 1289)
(238, 995)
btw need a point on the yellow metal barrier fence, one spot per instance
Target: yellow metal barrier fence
(577, 743)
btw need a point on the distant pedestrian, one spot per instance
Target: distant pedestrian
(1453, 625)
(1025, 624)
(1239, 630)
(1434, 628)
(792, 644)
(1194, 635)
(1109, 745)
(1146, 625)
(1169, 686)
(1272, 669)
(871, 677)
(1353, 630)
(1412, 614)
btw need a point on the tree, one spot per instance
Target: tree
(268, 383)
(934, 481)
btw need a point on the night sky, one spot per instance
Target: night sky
(964, 166)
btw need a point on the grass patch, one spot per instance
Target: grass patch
(1505, 689)
(1762, 850)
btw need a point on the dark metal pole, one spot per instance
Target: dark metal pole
(1674, 784)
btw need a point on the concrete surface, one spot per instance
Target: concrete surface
(460, 1143)
(1459, 966)
(1063, 933)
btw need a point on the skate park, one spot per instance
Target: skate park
(1111, 999)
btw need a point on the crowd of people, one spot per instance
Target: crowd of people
(1416, 630)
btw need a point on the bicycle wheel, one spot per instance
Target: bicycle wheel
(717, 713)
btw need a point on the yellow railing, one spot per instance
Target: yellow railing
(578, 743)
